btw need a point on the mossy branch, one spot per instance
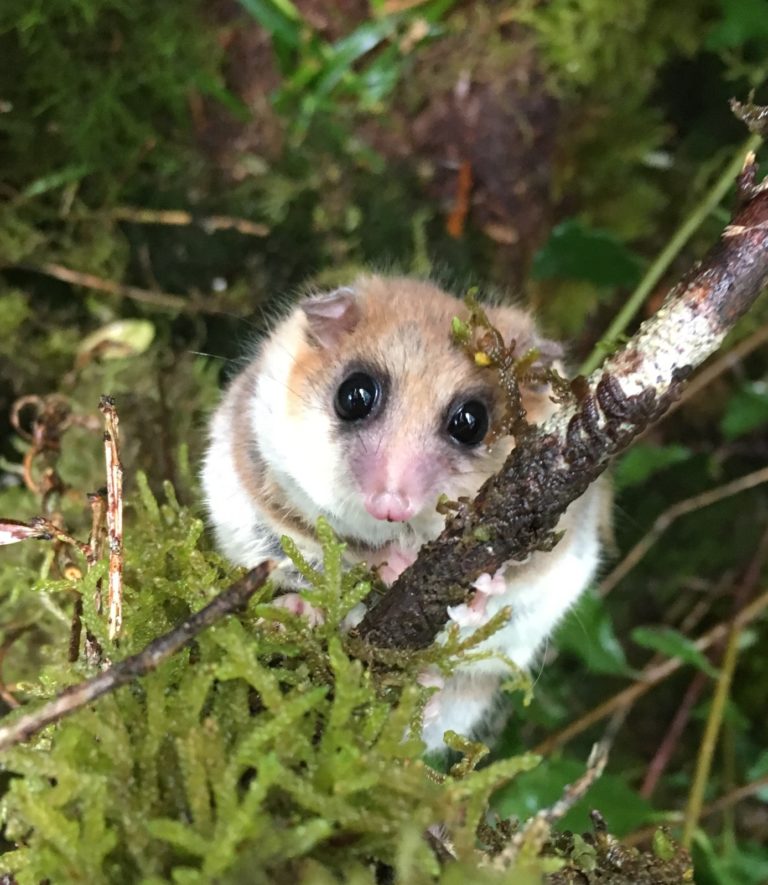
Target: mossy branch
(77, 696)
(516, 510)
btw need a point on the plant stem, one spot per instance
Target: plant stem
(690, 225)
(709, 740)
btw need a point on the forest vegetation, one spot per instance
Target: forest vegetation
(171, 174)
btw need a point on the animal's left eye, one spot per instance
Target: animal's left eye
(469, 423)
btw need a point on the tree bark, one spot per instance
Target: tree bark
(516, 511)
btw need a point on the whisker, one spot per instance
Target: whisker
(213, 356)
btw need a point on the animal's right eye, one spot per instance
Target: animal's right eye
(356, 396)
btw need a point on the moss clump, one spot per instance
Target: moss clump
(264, 752)
(106, 88)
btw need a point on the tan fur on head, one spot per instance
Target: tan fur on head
(406, 324)
(283, 452)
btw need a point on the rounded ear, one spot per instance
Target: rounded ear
(331, 315)
(517, 325)
(550, 351)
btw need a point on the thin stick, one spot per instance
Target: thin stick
(664, 520)
(77, 696)
(114, 517)
(50, 531)
(665, 258)
(650, 677)
(537, 829)
(745, 590)
(735, 796)
(723, 803)
(180, 218)
(100, 284)
(673, 734)
(98, 505)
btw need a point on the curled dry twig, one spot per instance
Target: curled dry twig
(77, 696)
(42, 421)
(519, 507)
(52, 417)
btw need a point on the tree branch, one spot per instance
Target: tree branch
(517, 510)
(72, 699)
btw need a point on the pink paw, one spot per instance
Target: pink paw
(392, 561)
(473, 613)
(293, 603)
(491, 585)
(468, 614)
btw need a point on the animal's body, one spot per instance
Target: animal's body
(359, 407)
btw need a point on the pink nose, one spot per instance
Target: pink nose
(391, 506)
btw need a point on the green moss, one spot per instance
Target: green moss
(264, 749)
(106, 86)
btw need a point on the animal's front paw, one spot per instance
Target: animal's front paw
(491, 585)
(293, 603)
(391, 561)
(473, 613)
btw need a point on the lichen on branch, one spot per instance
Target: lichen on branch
(518, 508)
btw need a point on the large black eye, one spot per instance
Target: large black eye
(357, 396)
(469, 423)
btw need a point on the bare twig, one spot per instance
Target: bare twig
(49, 418)
(12, 532)
(180, 218)
(673, 734)
(114, 516)
(164, 300)
(537, 830)
(51, 531)
(98, 503)
(650, 677)
(723, 803)
(664, 520)
(744, 592)
(518, 508)
(722, 690)
(735, 796)
(77, 696)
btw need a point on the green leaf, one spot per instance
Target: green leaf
(747, 410)
(745, 863)
(279, 17)
(57, 179)
(623, 809)
(673, 644)
(578, 252)
(743, 21)
(644, 460)
(588, 632)
(118, 340)
(348, 50)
